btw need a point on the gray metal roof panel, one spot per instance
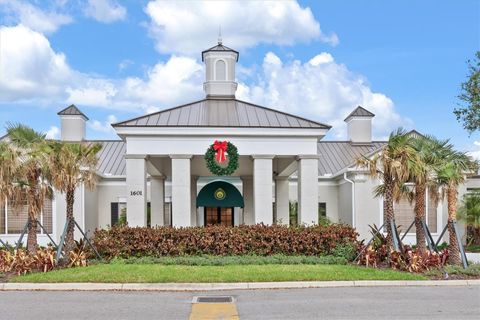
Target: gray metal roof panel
(360, 112)
(222, 113)
(111, 158)
(71, 110)
(220, 47)
(336, 156)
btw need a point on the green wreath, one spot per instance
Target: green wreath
(215, 167)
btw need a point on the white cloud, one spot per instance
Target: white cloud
(189, 26)
(29, 68)
(106, 11)
(125, 64)
(167, 83)
(105, 126)
(475, 152)
(321, 90)
(33, 17)
(53, 132)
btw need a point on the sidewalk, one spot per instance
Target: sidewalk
(224, 286)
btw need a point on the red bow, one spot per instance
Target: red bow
(220, 147)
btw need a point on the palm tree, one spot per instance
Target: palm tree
(72, 164)
(390, 165)
(430, 154)
(9, 165)
(470, 213)
(29, 177)
(450, 175)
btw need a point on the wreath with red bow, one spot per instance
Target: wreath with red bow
(222, 158)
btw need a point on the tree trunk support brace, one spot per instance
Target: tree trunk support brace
(64, 234)
(25, 229)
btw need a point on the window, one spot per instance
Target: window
(322, 213)
(118, 211)
(13, 219)
(405, 215)
(220, 70)
(167, 214)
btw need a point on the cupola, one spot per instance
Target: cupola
(72, 124)
(359, 126)
(220, 71)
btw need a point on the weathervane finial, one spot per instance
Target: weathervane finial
(219, 34)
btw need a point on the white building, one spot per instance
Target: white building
(158, 166)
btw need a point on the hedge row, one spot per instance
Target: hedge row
(123, 241)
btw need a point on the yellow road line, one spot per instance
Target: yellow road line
(214, 311)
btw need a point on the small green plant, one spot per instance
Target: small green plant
(122, 220)
(469, 212)
(348, 251)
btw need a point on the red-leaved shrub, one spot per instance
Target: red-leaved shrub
(124, 241)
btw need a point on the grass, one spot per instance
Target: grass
(473, 271)
(157, 273)
(472, 248)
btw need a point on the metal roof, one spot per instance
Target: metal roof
(111, 158)
(220, 47)
(338, 155)
(334, 156)
(360, 112)
(221, 113)
(72, 110)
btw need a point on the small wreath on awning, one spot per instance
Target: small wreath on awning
(222, 158)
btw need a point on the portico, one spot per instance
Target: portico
(171, 145)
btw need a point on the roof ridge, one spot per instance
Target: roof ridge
(360, 111)
(75, 111)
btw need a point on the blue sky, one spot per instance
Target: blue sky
(115, 59)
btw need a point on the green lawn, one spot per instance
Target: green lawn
(472, 248)
(157, 273)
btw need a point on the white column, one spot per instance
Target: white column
(136, 191)
(157, 200)
(262, 189)
(193, 199)
(181, 192)
(308, 189)
(282, 200)
(248, 217)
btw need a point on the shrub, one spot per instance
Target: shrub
(348, 251)
(209, 260)
(123, 241)
(21, 262)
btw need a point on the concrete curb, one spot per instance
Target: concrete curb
(225, 286)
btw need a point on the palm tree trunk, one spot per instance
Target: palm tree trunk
(388, 210)
(32, 201)
(454, 252)
(420, 191)
(32, 244)
(69, 240)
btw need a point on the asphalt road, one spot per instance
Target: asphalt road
(325, 303)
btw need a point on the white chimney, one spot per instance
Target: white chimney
(359, 126)
(220, 64)
(72, 124)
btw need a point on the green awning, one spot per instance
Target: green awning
(219, 194)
